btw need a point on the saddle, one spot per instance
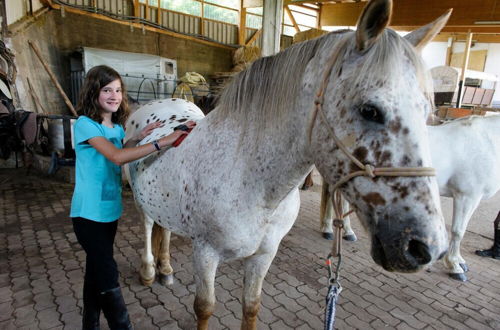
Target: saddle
(20, 129)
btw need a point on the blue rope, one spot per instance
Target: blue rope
(331, 301)
(334, 291)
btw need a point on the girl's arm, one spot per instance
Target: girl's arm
(142, 134)
(125, 155)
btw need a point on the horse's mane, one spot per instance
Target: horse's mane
(270, 86)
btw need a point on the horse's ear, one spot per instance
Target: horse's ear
(422, 36)
(372, 22)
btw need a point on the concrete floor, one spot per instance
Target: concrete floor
(41, 272)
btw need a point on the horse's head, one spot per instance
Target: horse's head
(376, 99)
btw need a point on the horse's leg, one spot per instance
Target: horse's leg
(205, 262)
(256, 268)
(147, 271)
(349, 234)
(326, 216)
(463, 207)
(164, 268)
(325, 212)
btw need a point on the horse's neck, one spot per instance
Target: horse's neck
(275, 160)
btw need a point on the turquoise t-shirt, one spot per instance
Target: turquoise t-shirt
(98, 189)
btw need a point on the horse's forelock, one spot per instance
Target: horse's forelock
(388, 60)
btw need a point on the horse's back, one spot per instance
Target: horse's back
(171, 112)
(466, 154)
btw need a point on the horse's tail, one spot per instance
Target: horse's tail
(156, 241)
(325, 196)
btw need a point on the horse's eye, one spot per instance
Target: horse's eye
(371, 113)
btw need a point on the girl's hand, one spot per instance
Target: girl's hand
(190, 124)
(148, 129)
(168, 140)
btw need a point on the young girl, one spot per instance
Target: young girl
(96, 204)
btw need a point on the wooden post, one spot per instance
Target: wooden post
(202, 20)
(254, 37)
(449, 50)
(318, 18)
(137, 9)
(294, 22)
(35, 97)
(158, 14)
(465, 63)
(3, 17)
(53, 78)
(271, 27)
(242, 29)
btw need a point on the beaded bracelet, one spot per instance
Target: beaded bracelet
(156, 145)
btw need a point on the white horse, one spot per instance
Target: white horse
(466, 156)
(232, 185)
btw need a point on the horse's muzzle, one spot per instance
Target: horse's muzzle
(404, 250)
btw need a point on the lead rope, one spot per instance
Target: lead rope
(334, 287)
(365, 170)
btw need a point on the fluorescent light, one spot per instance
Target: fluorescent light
(487, 22)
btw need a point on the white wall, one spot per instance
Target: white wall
(434, 54)
(492, 66)
(17, 9)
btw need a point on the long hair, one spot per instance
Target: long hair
(88, 103)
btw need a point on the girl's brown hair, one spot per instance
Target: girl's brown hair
(88, 103)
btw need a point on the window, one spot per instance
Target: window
(254, 21)
(235, 4)
(191, 7)
(220, 14)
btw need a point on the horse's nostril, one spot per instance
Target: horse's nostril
(420, 252)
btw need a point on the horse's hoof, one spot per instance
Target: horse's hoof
(350, 238)
(464, 267)
(166, 280)
(459, 277)
(147, 281)
(328, 236)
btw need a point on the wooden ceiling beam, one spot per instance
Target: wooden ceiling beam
(294, 2)
(462, 37)
(490, 29)
(410, 13)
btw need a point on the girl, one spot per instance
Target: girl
(96, 204)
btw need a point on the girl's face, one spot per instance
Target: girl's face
(110, 96)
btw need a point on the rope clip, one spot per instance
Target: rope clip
(333, 272)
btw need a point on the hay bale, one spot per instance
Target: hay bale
(183, 91)
(308, 35)
(196, 82)
(246, 55)
(240, 67)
